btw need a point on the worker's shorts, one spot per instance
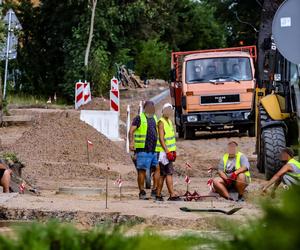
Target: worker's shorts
(1, 173)
(146, 160)
(290, 180)
(166, 169)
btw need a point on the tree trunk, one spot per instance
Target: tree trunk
(269, 9)
(1, 102)
(88, 47)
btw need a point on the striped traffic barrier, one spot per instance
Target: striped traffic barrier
(82, 93)
(114, 100)
(79, 98)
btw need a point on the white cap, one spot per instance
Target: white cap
(167, 105)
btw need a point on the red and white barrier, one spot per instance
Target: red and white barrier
(82, 93)
(114, 95)
(114, 84)
(87, 92)
(114, 100)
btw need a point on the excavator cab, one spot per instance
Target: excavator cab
(278, 91)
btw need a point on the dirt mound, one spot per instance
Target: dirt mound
(61, 138)
(97, 103)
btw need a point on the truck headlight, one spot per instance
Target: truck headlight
(192, 118)
(246, 115)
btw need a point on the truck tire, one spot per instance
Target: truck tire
(179, 131)
(188, 133)
(251, 131)
(272, 140)
(263, 118)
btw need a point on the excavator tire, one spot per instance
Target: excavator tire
(272, 141)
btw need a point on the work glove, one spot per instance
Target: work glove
(233, 176)
(171, 156)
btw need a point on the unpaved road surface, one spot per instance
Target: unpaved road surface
(66, 166)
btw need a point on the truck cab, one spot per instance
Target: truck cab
(214, 90)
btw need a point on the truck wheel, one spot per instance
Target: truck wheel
(188, 133)
(263, 118)
(251, 131)
(179, 131)
(272, 140)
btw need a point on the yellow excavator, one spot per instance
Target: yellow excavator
(277, 101)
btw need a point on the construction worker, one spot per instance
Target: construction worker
(143, 141)
(167, 153)
(5, 176)
(289, 174)
(233, 173)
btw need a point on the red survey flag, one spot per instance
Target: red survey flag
(119, 182)
(22, 188)
(187, 179)
(188, 165)
(90, 144)
(210, 185)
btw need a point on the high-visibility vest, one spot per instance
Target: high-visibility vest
(169, 137)
(297, 164)
(140, 133)
(237, 163)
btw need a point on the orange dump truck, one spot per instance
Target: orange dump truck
(213, 90)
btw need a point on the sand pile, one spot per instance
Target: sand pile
(62, 137)
(56, 147)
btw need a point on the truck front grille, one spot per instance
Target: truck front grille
(219, 99)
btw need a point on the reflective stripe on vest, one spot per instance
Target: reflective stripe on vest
(169, 138)
(140, 134)
(237, 163)
(297, 164)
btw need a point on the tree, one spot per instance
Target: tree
(91, 33)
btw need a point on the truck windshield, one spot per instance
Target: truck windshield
(218, 69)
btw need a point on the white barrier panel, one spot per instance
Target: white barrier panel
(105, 122)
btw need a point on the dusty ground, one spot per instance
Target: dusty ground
(54, 150)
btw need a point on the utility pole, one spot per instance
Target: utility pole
(7, 52)
(10, 51)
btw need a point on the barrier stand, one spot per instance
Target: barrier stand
(106, 188)
(127, 129)
(140, 107)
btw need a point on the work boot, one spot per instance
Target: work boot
(159, 198)
(153, 193)
(143, 195)
(240, 198)
(174, 198)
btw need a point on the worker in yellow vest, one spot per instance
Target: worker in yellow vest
(233, 171)
(143, 140)
(289, 174)
(167, 153)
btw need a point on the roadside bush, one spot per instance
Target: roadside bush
(278, 229)
(64, 237)
(153, 59)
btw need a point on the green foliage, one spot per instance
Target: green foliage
(10, 156)
(238, 17)
(153, 59)
(100, 71)
(65, 237)
(55, 35)
(278, 229)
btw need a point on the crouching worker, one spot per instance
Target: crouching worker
(233, 171)
(289, 174)
(5, 176)
(167, 153)
(143, 140)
